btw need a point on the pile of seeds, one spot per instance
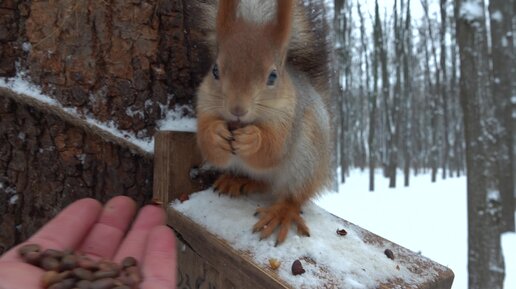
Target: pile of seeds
(68, 270)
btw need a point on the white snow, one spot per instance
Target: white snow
(497, 16)
(13, 200)
(471, 10)
(11, 193)
(493, 196)
(26, 46)
(430, 218)
(172, 121)
(348, 259)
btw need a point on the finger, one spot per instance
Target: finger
(159, 264)
(66, 230)
(107, 233)
(19, 275)
(135, 241)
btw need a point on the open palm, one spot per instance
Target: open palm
(101, 233)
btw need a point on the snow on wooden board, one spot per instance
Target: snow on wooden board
(172, 120)
(356, 260)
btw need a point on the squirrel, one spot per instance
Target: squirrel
(263, 109)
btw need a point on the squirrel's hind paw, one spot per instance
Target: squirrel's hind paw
(282, 215)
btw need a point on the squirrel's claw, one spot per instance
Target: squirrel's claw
(280, 215)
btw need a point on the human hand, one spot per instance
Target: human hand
(100, 233)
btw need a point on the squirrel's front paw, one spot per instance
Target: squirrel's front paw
(246, 140)
(215, 142)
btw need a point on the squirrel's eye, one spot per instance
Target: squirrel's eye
(215, 72)
(272, 78)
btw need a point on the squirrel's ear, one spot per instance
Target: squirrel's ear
(226, 16)
(284, 20)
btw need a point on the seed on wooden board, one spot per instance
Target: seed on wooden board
(23, 250)
(129, 262)
(50, 264)
(183, 197)
(297, 268)
(274, 264)
(82, 273)
(68, 262)
(389, 254)
(342, 232)
(106, 283)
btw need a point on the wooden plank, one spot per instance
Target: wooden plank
(195, 272)
(175, 154)
(236, 268)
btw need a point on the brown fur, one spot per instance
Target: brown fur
(284, 23)
(235, 186)
(226, 15)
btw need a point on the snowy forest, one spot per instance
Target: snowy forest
(429, 85)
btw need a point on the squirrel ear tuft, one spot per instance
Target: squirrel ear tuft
(284, 21)
(226, 16)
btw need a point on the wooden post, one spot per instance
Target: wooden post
(206, 260)
(175, 154)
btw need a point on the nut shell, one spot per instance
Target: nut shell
(297, 268)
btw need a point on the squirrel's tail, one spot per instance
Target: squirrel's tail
(308, 48)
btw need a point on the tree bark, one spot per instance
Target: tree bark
(485, 259)
(503, 76)
(444, 90)
(126, 63)
(45, 164)
(407, 79)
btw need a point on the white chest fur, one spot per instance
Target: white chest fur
(257, 11)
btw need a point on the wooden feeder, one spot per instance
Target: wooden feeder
(206, 260)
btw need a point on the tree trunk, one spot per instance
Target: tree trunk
(485, 259)
(407, 79)
(503, 76)
(124, 63)
(377, 34)
(444, 90)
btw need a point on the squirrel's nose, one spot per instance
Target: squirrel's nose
(238, 111)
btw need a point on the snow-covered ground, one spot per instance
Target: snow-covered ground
(426, 217)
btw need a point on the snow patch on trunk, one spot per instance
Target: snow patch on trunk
(471, 11)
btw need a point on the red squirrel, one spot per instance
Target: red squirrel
(262, 110)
